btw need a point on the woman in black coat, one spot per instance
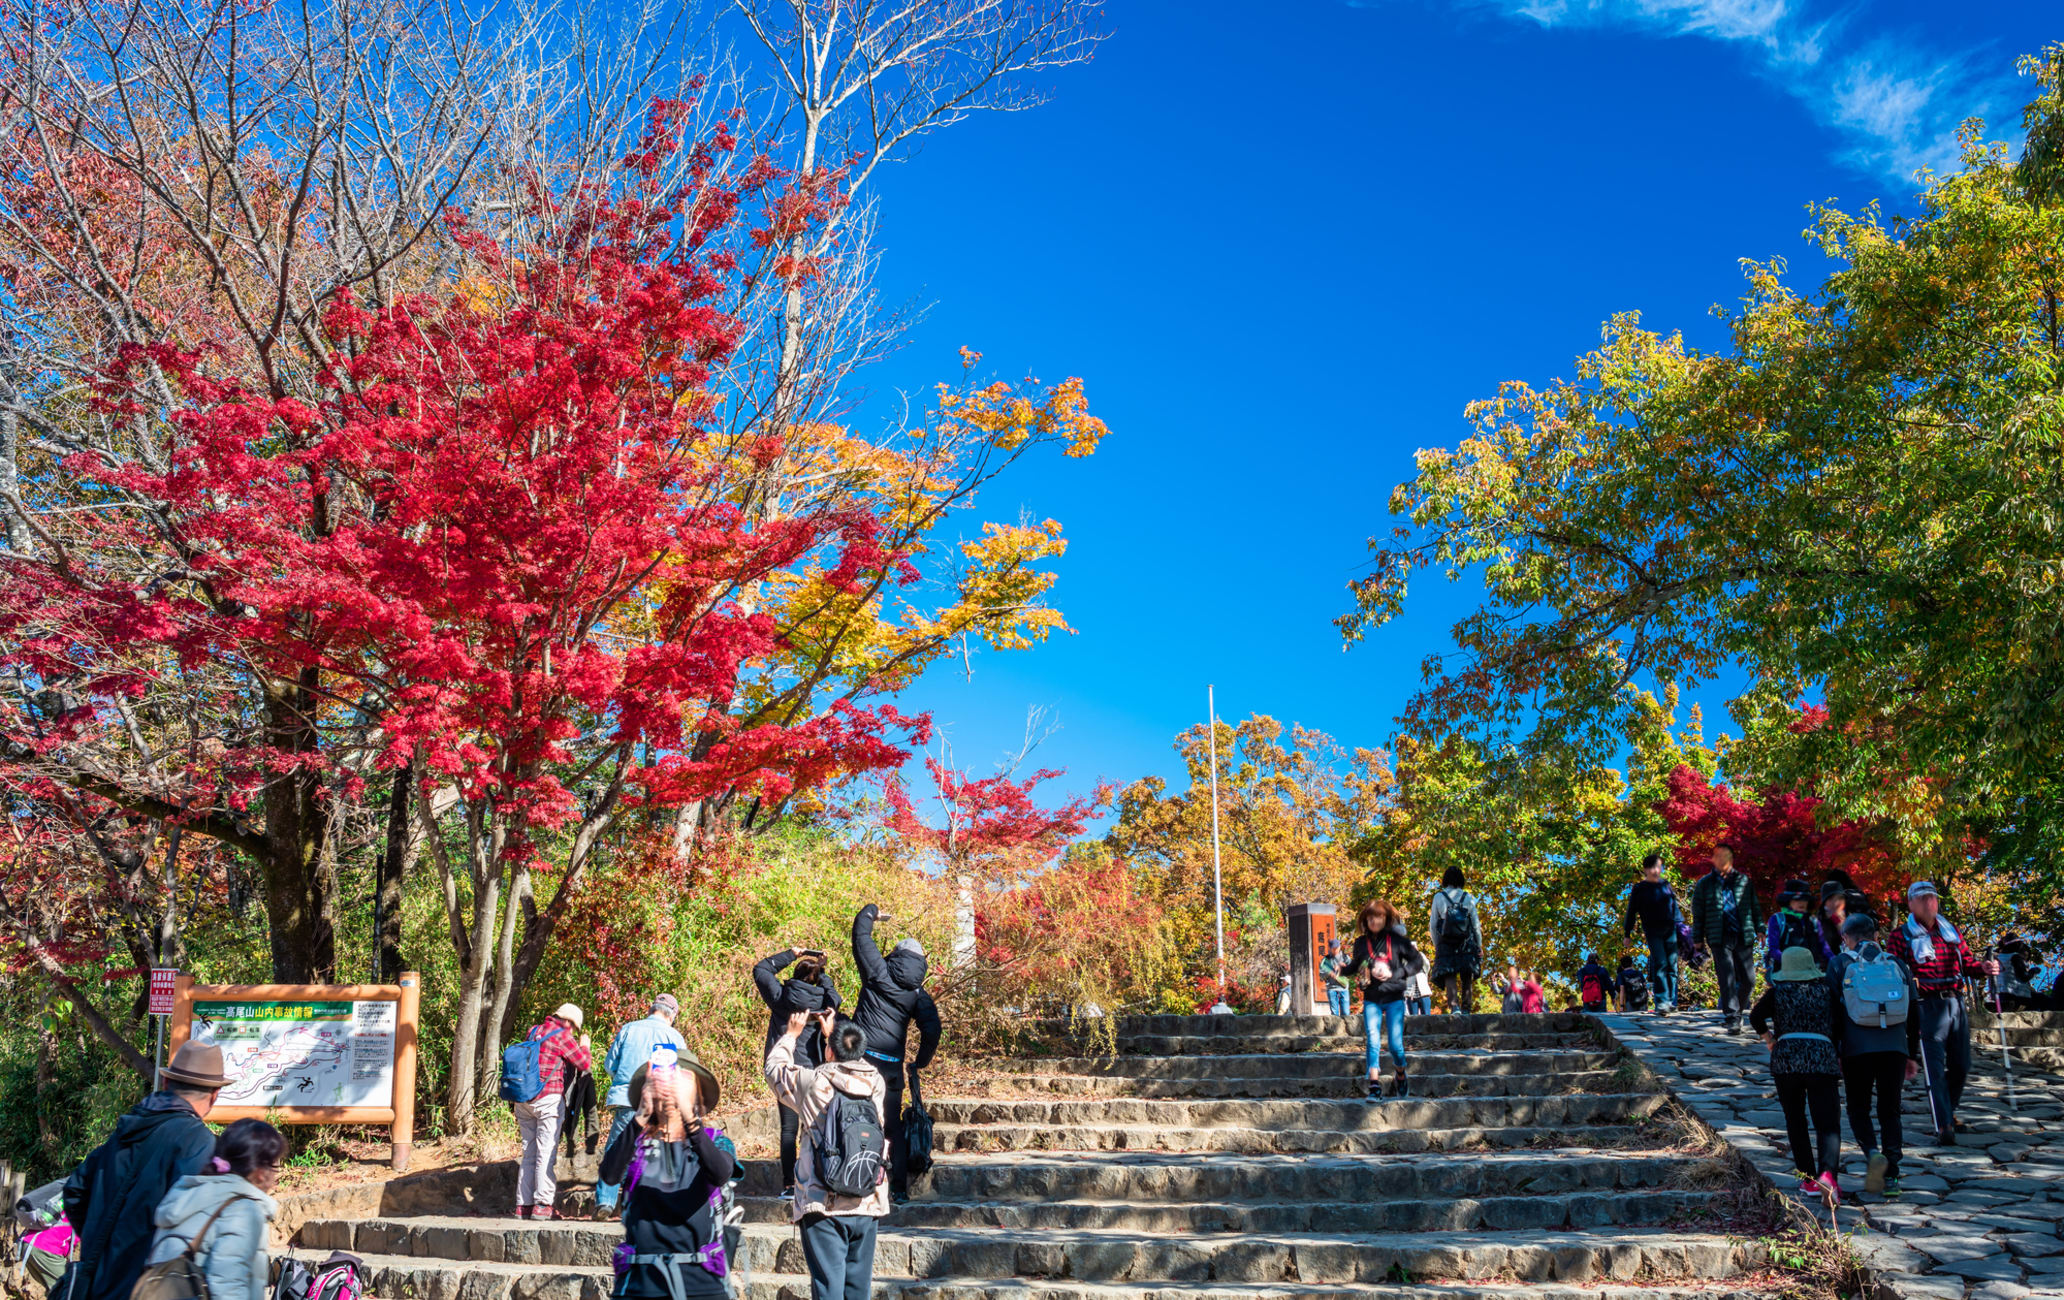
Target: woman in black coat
(1386, 960)
(809, 990)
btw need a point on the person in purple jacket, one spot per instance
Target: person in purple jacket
(1792, 926)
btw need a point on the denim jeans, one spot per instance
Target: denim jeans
(1337, 1000)
(606, 1194)
(1662, 970)
(1391, 1015)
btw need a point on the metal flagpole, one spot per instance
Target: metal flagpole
(1217, 880)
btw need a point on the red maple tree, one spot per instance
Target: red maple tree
(1777, 835)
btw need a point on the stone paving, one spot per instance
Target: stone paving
(1976, 1221)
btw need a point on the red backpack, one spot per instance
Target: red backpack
(1593, 988)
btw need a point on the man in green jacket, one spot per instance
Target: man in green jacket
(1724, 917)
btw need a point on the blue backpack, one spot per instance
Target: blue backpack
(522, 1076)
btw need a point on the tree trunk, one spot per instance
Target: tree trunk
(395, 861)
(461, 1092)
(300, 881)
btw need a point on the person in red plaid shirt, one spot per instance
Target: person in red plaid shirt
(538, 1119)
(1940, 959)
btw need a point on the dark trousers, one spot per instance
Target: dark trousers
(790, 1123)
(1821, 1095)
(1662, 969)
(1880, 1075)
(892, 1124)
(1736, 971)
(1945, 1055)
(839, 1250)
(1458, 992)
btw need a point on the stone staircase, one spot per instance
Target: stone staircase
(1213, 1157)
(2034, 1038)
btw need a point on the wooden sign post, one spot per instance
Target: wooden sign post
(1311, 930)
(310, 1053)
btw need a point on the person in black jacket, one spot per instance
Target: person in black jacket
(674, 1245)
(1653, 905)
(111, 1197)
(809, 991)
(891, 996)
(1386, 960)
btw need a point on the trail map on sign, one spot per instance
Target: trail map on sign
(287, 1054)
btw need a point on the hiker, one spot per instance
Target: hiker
(1939, 959)
(1795, 1017)
(1724, 917)
(1533, 1001)
(223, 1214)
(579, 1110)
(1653, 904)
(837, 1223)
(809, 989)
(1834, 910)
(891, 996)
(1511, 1000)
(1631, 985)
(1792, 927)
(537, 1117)
(1418, 994)
(1457, 942)
(1594, 985)
(1337, 990)
(1386, 960)
(1283, 995)
(674, 1168)
(1878, 1036)
(111, 1197)
(628, 1051)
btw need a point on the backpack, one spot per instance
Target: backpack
(1594, 987)
(1794, 932)
(295, 1281)
(917, 1130)
(180, 1277)
(1457, 924)
(850, 1146)
(1874, 992)
(340, 1277)
(523, 1075)
(1633, 990)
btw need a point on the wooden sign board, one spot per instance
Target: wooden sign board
(1311, 930)
(310, 1053)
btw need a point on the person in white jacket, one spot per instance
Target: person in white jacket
(226, 1212)
(838, 1231)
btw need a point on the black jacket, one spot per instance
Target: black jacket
(891, 996)
(785, 997)
(112, 1195)
(1405, 962)
(1655, 907)
(679, 1220)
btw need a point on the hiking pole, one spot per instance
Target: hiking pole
(1999, 1022)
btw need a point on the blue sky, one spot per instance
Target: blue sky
(1284, 243)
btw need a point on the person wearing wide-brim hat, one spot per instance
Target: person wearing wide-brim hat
(111, 1196)
(672, 1164)
(1795, 1017)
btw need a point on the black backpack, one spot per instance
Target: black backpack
(1796, 932)
(1457, 924)
(917, 1130)
(850, 1146)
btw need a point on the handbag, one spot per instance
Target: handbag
(180, 1277)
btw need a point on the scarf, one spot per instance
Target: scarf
(1923, 943)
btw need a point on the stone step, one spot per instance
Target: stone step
(398, 1278)
(1261, 1141)
(1158, 1177)
(1305, 1064)
(1341, 1081)
(1247, 1026)
(1986, 1019)
(581, 1251)
(1345, 1038)
(1442, 1214)
(1350, 1116)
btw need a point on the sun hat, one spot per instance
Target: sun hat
(1918, 888)
(197, 1065)
(685, 1059)
(570, 1013)
(1798, 964)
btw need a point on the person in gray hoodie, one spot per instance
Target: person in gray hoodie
(1876, 1061)
(224, 1213)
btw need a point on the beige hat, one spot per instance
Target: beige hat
(570, 1013)
(196, 1065)
(686, 1059)
(1797, 964)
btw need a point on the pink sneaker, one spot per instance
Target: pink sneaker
(1810, 1185)
(1831, 1187)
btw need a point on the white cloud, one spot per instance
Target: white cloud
(1897, 107)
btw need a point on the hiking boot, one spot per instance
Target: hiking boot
(1874, 1175)
(1403, 1086)
(1375, 1090)
(1946, 1138)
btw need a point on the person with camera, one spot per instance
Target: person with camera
(807, 990)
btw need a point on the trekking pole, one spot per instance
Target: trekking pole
(1999, 1022)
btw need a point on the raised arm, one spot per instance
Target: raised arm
(873, 970)
(766, 976)
(926, 1014)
